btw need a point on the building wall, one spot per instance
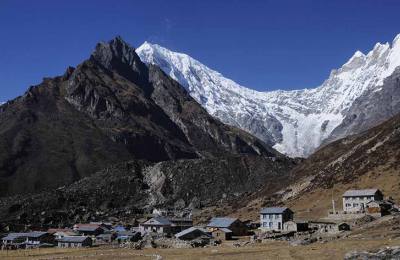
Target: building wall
(274, 221)
(356, 204)
(220, 235)
(156, 228)
(238, 228)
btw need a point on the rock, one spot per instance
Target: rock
(382, 254)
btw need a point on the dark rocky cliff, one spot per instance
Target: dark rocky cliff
(109, 109)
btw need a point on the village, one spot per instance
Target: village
(164, 230)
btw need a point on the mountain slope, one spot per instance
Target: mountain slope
(366, 160)
(363, 161)
(129, 190)
(110, 109)
(295, 122)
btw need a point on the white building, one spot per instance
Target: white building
(157, 225)
(355, 201)
(273, 218)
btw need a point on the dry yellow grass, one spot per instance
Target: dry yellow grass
(269, 250)
(316, 204)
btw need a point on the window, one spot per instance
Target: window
(270, 216)
(270, 224)
(276, 216)
(264, 216)
(355, 204)
(265, 224)
(348, 204)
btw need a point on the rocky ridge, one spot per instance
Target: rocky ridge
(294, 122)
(110, 108)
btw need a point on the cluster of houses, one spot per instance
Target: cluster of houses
(356, 203)
(272, 219)
(80, 235)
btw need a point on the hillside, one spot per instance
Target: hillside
(366, 160)
(109, 109)
(127, 191)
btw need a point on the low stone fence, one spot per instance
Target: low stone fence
(343, 216)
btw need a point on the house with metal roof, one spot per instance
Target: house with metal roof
(274, 218)
(180, 224)
(89, 229)
(193, 233)
(75, 241)
(157, 225)
(237, 227)
(355, 201)
(28, 239)
(124, 236)
(119, 228)
(14, 240)
(222, 234)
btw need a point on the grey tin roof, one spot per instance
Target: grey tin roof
(357, 193)
(13, 236)
(73, 239)
(221, 222)
(34, 234)
(274, 210)
(158, 221)
(189, 230)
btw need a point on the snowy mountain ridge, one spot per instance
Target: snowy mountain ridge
(294, 122)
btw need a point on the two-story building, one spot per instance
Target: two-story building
(355, 201)
(273, 218)
(158, 224)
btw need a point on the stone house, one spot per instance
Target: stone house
(180, 224)
(89, 229)
(193, 233)
(28, 240)
(222, 234)
(379, 208)
(323, 226)
(125, 236)
(237, 227)
(14, 240)
(273, 218)
(159, 225)
(355, 201)
(295, 226)
(61, 232)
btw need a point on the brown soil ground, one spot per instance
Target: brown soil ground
(268, 250)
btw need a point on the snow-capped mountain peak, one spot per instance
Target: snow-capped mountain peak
(295, 122)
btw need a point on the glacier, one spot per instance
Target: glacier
(294, 122)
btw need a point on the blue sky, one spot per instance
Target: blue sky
(263, 44)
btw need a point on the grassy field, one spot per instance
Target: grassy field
(269, 250)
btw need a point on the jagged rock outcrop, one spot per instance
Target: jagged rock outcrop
(381, 254)
(371, 108)
(295, 122)
(110, 108)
